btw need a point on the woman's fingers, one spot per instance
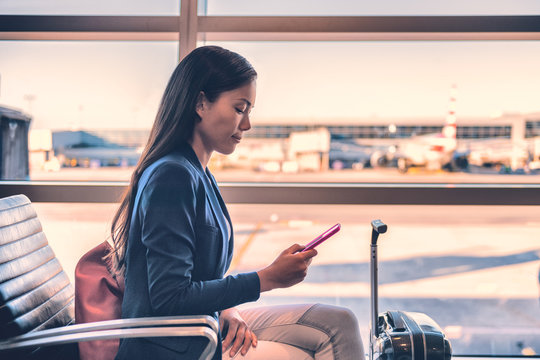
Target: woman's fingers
(247, 342)
(239, 338)
(308, 255)
(244, 340)
(254, 339)
(231, 335)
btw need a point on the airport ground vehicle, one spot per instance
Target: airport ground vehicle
(347, 154)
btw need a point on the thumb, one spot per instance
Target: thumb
(221, 325)
(293, 249)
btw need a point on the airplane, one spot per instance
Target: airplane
(432, 151)
(500, 153)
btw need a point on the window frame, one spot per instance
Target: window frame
(298, 193)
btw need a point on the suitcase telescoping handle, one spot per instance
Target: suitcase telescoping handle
(378, 228)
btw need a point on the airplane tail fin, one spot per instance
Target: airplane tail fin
(450, 128)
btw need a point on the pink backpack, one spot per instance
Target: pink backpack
(98, 297)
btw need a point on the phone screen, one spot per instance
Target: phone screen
(321, 238)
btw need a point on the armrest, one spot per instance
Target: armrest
(203, 320)
(205, 326)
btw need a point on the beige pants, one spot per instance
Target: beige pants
(303, 332)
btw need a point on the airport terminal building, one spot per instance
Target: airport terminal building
(123, 146)
(510, 126)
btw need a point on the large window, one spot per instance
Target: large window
(367, 105)
(474, 269)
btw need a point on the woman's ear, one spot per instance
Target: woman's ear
(201, 104)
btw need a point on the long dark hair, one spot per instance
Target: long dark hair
(210, 69)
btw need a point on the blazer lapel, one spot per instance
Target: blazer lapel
(220, 213)
(228, 218)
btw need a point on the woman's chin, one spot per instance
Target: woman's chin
(227, 150)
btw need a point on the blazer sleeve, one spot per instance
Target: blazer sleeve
(168, 213)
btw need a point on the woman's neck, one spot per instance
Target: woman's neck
(202, 154)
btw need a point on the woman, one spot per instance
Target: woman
(173, 236)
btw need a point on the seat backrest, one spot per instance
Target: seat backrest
(35, 292)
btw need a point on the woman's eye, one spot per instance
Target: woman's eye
(240, 111)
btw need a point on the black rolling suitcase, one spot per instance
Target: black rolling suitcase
(400, 335)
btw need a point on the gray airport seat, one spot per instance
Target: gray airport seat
(37, 298)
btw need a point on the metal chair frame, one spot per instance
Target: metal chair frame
(204, 326)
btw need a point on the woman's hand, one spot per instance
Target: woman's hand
(238, 337)
(289, 268)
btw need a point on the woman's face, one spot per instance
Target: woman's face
(224, 121)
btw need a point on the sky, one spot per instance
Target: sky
(96, 84)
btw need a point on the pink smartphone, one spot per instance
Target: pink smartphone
(321, 238)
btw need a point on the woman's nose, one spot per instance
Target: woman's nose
(245, 124)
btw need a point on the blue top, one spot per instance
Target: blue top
(179, 248)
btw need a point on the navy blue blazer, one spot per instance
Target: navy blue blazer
(179, 248)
